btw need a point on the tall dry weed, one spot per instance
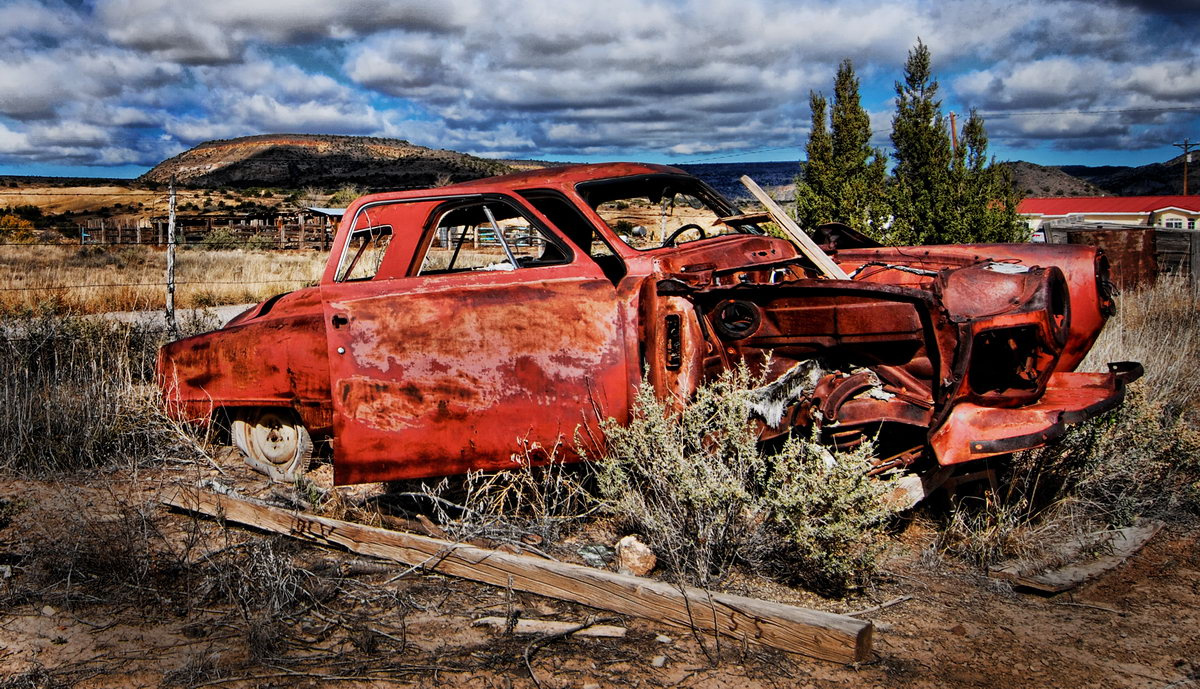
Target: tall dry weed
(1158, 325)
(1144, 457)
(78, 394)
(97, 279)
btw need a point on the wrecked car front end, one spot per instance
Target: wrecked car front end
(943, 354)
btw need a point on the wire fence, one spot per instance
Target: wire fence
(51, 288)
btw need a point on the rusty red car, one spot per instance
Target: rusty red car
(454, 325)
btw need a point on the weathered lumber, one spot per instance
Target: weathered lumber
(798, 630)
(1118, 546)
(524, 626)
(744, 218)
(805, 243)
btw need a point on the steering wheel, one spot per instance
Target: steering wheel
(670, 241)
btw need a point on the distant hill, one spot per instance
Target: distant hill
(778, 176)
(1040, 180)
(1155, 179)
(298, 160)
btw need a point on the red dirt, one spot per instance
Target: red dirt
(68, 619)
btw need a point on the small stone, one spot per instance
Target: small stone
(5, 571)
(48, 611)
(958, 630)
(591, 685)
(634, 557)
(663, 639)
(659, 661)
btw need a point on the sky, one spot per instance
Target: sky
(109, 88)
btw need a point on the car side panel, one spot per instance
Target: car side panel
(276, 359)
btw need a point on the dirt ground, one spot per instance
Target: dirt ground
(102, 587)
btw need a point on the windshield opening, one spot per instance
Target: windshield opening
(652, 211)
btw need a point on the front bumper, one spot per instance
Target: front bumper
(973, 432)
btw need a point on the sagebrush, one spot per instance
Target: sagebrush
(695, 482)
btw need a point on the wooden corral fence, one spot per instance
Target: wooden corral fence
(1138, 255)
(302, 231)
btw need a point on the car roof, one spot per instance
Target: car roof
(562, 177)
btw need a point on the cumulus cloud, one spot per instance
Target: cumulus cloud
(119, 81)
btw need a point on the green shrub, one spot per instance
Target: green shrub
(696, 483)
(682, 478)
(825, 517)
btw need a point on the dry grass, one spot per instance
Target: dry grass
(78, 394)
(94, 279)
(1160, 327)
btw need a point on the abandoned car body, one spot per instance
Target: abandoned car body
(454, 324)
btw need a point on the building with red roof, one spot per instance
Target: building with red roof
(1172, 212)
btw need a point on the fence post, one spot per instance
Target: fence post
(281, 233)
(1194, 268)
(172, 326)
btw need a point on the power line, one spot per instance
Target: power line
(743, 153)
(1035, 113)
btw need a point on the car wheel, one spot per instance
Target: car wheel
(273, 441)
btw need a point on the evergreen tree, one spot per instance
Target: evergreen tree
(941, 195)
(814, 189)
(844, 179)
(988, 197)
(922, 191)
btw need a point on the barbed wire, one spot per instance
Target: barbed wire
(52, 288)
(199, 245)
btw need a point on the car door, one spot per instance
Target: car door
(440, 370)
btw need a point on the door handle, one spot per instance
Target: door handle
(339, 320)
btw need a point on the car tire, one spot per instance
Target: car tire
(273, 442)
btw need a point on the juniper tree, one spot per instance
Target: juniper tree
(845, 179)
(922, 201)
(943, 196)
(987, 198)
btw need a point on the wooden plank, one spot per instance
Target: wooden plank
(798, 630)
(744, 218)
(803, 242)
(524, 626)
(1173, 240)
(1119, 545)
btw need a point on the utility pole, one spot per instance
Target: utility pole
(953, 133)
(1187, 146)
(172, 326)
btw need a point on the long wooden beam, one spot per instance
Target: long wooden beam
(799, 237)
(798, 630)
